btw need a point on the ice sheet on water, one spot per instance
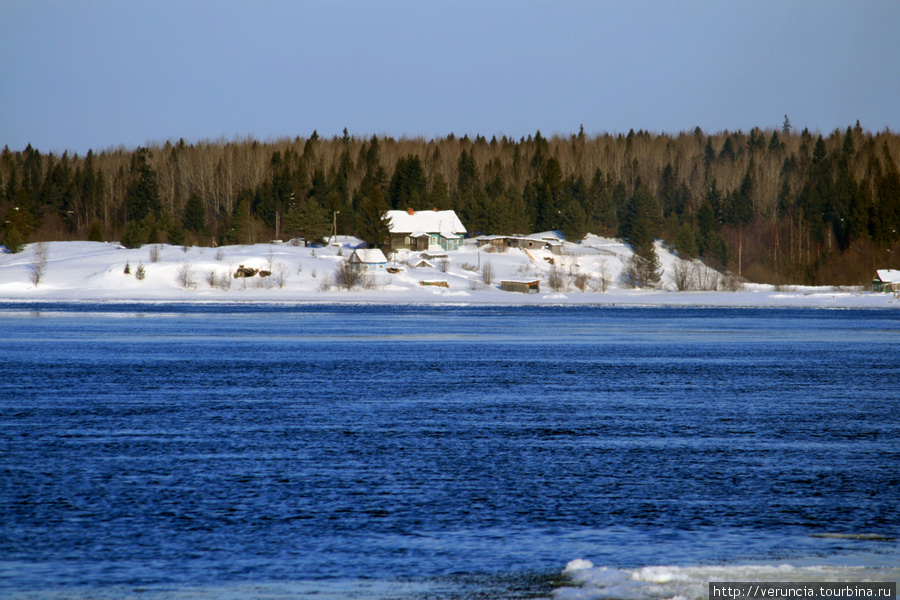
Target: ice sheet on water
(589, 582)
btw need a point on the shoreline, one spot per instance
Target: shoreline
(593, 274)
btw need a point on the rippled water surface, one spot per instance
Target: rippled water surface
(384, 451)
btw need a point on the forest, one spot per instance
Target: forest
(771, 206)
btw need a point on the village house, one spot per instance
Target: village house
(425, 230)
(886, 280)
(368, 260)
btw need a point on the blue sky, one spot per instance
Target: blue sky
(80, 74)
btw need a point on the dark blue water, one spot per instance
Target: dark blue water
(185, 447)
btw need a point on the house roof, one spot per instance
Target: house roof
(888, 275)
(370, 255)
(444, 222)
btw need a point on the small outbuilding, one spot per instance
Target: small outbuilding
(523, 286)
(421, 264)
(886, 280)
(368, 259)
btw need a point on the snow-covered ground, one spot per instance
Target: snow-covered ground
(95, 271)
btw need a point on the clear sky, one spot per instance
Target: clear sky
(80, 74)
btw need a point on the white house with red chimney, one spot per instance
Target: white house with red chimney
(421, 230)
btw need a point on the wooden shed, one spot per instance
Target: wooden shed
(524, 286)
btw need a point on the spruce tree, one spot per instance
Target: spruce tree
(408, 187)
(142, 192)
(194, 218)
(96, 233)
(309, 221)
(638, 230)
(372, 222)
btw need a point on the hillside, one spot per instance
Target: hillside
(772, 205)
(97, 271)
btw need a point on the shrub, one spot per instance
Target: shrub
(556, 279)
(346, 276)
(38, 262)
(641, 271)
(682, 276)
(581, 281)
(487, 273)
(732, 282)
(325, 283)
(96, 233)
(185, 276)
(604, 276)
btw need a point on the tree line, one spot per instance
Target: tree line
(773, 205)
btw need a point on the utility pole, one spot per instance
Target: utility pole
(334, 229)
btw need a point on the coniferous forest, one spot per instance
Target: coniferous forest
(772, 206)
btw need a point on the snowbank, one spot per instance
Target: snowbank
(95, 271)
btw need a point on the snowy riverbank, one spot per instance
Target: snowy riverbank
(94, 271)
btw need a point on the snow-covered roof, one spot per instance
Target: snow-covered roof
(370, 255)
(444, 222)
(888, 275)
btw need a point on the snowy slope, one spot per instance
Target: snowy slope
(94, 271)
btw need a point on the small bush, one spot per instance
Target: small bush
(732, 282)
(694, 275)
(346, 276)
(185, 276)
(96, 233)
(154, 253)
(581, 280)
(140, 272)
(682, 276)
(556, 279)
(325, 284)
(38, 262)
(604, 276)
(487, 273)
(280, 275)
(224, 281)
